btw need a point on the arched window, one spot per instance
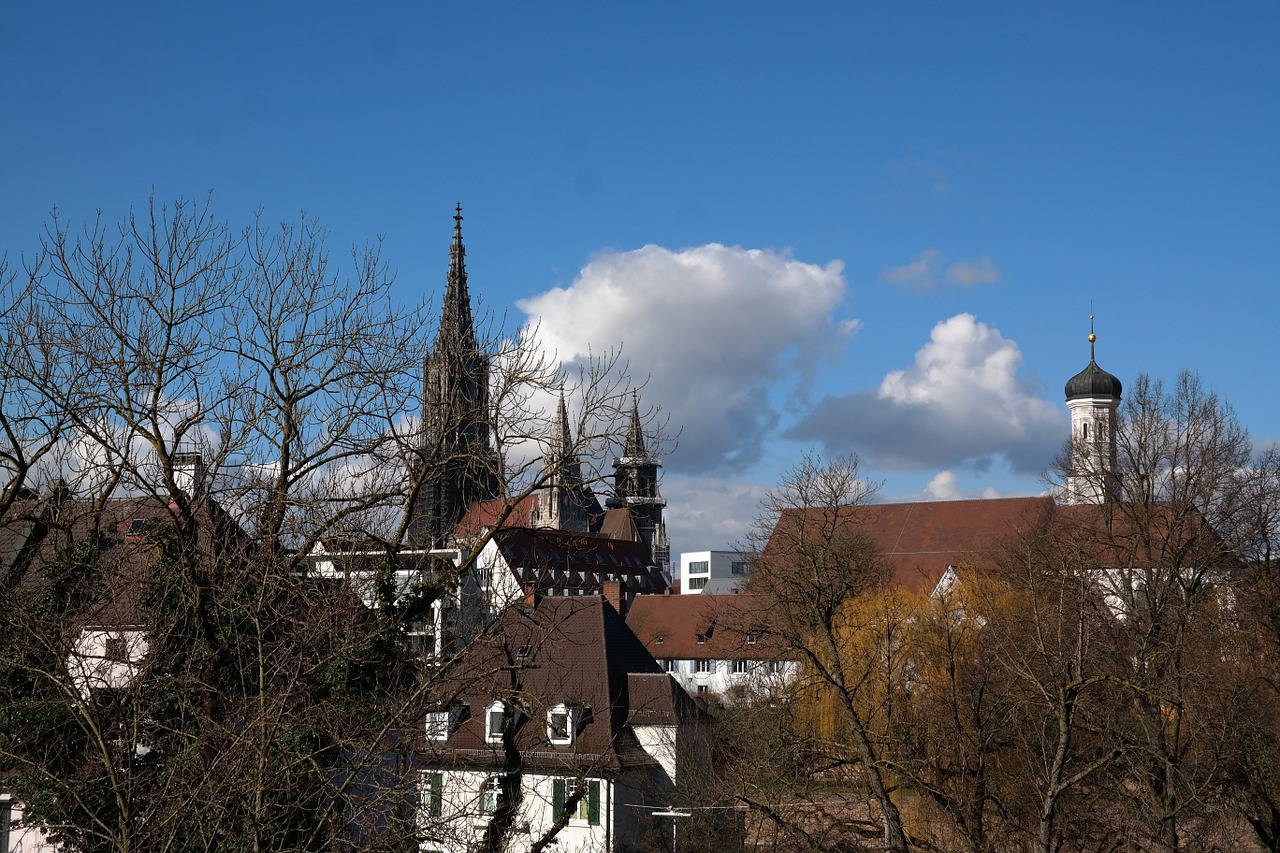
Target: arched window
(1084, 430)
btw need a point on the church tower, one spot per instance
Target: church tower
(564, 502)
(460, 466)
(1093, 395)
(635, 487)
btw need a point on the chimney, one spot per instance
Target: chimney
(612, 592)
(189, 474)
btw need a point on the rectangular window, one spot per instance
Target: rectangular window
(741, 666)
(738, 568)
(490, 795)
(699, 567)
(698, 583)
(752, 637)
(587, 808)
(437, 725)
(704, 666)
(6, 818)
(435, 794)
(558, 724)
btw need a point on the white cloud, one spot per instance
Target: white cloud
(944, 486)
(962, 403)
(973, 273)
(715, 328)
(710, 513)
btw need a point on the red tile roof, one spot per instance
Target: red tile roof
(920, 540)
(730, 626)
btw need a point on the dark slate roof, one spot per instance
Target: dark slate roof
(1093, 381)
(920, 540)
(731, 626)
(545, 559)
(576, 651)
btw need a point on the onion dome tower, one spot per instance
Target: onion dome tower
(1093, 396)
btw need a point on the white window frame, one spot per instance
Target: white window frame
(565, 737)
(490, 795)
(704, 666)
(499, 707)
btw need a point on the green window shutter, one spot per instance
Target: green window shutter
(557, 798)
(593, 803)
(436, 806)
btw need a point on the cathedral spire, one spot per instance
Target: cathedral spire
(634, 448)
(561, 439)
(460, 467)
(455, 314)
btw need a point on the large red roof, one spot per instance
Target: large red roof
(920, 540)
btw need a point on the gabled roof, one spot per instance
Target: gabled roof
(730, 626)
(36, 533)
(920, 540)
(575, 651)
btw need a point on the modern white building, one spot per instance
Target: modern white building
(713, 572)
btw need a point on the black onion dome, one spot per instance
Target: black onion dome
(1093, 381)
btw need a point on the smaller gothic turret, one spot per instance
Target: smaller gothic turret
(565, 503)
(635, 487)
(1093, 396)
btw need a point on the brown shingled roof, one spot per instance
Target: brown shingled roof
(34, 533)
(573, 650)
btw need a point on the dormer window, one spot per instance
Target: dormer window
(562, 723)
(444, 722)
(660, 639)
(752, 637)
(701, 638)
(498, 718)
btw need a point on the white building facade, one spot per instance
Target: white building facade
(713, 572)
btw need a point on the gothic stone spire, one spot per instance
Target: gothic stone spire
(460, 466)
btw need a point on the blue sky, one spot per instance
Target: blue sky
(869, 227)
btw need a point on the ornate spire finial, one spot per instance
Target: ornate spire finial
(1093, 339)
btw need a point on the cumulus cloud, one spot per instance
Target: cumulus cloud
(922, 273)
(962, 403)
(715, 329)
(712, 513)
(944, 486)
